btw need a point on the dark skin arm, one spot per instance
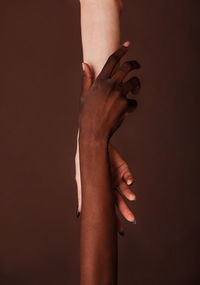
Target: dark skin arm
(103, 110)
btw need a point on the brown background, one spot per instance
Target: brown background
(40, 85)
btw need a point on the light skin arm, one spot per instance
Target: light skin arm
(97, 123)
(100, 31)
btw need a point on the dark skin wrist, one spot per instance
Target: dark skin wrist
(91, 141)
(105, 106)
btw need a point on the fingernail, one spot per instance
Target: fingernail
(130, 218)
(122, 233)
(126, 44)
(83, 66)
(77, 212)
(130, 183)
(134, 222)
(136, 64)
(132, 198)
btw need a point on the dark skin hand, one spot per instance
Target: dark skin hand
(103, 110)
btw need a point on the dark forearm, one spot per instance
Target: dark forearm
(103, 109)
(98, 222)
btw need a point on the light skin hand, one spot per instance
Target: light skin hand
(121, 175)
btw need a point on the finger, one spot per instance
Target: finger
(116, 160)
(124, 105)
(124, 209)
(126, 191)
(124, 70)
(132, 85)
(128, 177)
(119, 167)
(113, 60)
(118, 164)
(88, 78)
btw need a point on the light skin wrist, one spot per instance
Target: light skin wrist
(119, 3)
(86, 1)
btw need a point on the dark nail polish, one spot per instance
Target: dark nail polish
(77, 212)
(122, 233)
(135, 64)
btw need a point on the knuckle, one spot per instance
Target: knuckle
(116, 91)
(119, 89)
(104, 85)
(118, 85)
(125, 166)
(99, 82)
(107, 84)
(116, 95)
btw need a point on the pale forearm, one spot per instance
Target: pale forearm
(98, 221)
(100, 29)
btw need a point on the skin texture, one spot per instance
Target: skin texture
(103, 110)
(100, 30)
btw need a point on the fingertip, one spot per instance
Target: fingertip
(126, 44)
(129, 182)
(132, 197)
(83, 66)
(131, 218)
(86, 67)
(88, 70)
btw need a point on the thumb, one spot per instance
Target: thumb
(87, 81)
